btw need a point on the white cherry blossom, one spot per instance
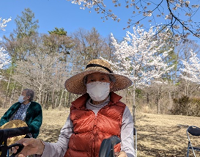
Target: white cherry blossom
(4, 57)
(191, 70)
(137, 56)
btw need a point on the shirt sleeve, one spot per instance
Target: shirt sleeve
(127, 141)
(7, 115)
(59, 149)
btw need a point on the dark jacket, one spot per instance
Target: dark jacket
(33, 117)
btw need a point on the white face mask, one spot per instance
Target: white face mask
(98, 91)
(21, 99)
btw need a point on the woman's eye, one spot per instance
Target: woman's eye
(102, 79)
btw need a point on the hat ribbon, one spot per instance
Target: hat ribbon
(97, 65)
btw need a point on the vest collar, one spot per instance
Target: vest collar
(114, 98)
(80, 103)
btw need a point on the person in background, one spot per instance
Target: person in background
(96, 115)
(26, 110)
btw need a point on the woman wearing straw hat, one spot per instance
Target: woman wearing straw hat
(96, 115)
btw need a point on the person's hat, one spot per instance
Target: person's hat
(14, 124)
(76, 85)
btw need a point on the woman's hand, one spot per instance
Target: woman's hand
(122, 154)
(31, 146)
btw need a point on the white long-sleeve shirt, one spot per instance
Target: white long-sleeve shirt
(127, 143)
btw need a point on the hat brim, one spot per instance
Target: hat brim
(14, 124)
(75, 84)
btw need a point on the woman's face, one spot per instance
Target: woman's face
(98, 92)
(99, 77)
(26, 98)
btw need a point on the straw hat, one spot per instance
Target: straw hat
(75, 84)
(14, 124)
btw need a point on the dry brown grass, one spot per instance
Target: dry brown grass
(158, 135)
(163, 135)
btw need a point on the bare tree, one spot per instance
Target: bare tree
(38, 73)
(161, 90)
(90, 45)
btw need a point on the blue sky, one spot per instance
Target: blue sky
(60, 13)
(63, 14)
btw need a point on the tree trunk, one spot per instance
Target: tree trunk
(69, 100)
(186, 88)
(147, 98)
(65, 99)
(170, 100)
(45, 101)
(7, 90)
(40, 94)
(61, 100)
(42, 97)
(158, 106)
(52, 98)
(12, 93)
(158, 100)
(56, 101)
(134, 105)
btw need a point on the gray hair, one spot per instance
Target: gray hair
(111, 77)
(30, 93)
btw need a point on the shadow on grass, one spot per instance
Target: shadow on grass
(50, 133)
(161, 141)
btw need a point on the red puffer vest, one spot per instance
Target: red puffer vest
(91, 129)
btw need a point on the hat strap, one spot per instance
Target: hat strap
(97, 65)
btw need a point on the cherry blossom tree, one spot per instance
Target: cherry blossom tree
(178, 15)
(3, 23)
(140, 57)
(191, 70)
(4, 57)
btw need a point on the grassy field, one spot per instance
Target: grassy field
(157, 135)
